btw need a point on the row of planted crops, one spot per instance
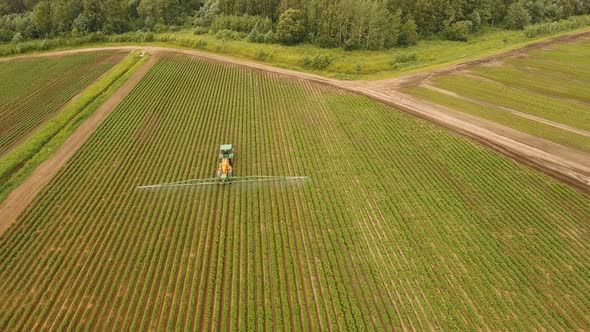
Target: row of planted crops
(32, 90)
(401, 224)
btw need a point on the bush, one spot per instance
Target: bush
(351, 45)
(554, 27)
(228, 35)
(401, 59)
(458, 31)
(200, 31)
(5, 35)
(291, 27)
(408, 34)
(243, 24)
(262, 55)
(270, 37)
(148, 37)
(518, 16)
(318, 61)
(326, 42)
(198, 44)
(17, 38)
(255, 36)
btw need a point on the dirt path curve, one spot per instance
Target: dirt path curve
(24, 194)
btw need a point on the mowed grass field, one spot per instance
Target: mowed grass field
(32, 90)
(401, 225)
(550, 88)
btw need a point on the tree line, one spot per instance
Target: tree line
(351, 24)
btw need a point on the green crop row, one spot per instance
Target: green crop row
(400, 226)
(33, 90)
(20, 162)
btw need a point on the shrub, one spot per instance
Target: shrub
(200, 30)
(270, 37)
(351, 45)
(554, 27)
(326, 42)
(148, 37)
(458, 31)
(5, 35)
(518, 16)
(228, 35)
(255, 36)
(318, 61)
(263, 55)
(291, 27)
(408, 34)
(243, 24)
(17, 38)
(403, 58)
(199, 44)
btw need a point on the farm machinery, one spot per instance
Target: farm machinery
(224, 174)
(226, 159)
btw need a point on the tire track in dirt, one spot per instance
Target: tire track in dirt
(20, 197)
(523, 88)
(509, 110)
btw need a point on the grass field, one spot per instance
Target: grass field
(550, 84)
(32, 90)
(401, 225)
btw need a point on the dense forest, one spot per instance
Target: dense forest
(351, 24)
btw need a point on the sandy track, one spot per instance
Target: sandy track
(24, 194)
(568, 165)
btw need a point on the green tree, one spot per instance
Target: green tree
(291, 27)
(42, 17)
(408, 34)
(518, 16)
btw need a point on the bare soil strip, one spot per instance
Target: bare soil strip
(568, 165)
(24, 194)
(509, 110)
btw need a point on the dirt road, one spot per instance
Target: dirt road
(568, 165)
(24, 194)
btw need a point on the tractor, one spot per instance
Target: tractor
(226, 161)
(224, 175)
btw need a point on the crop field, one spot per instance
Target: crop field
(401, 224)
(545, 93)
(33, 90)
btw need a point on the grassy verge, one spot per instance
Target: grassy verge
(21, 161)
(507, 119)
(426, 55)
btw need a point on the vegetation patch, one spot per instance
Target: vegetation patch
(32, 90)
(401, 225)
(17, 164)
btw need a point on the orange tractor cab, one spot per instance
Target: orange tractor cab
(226, 161)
